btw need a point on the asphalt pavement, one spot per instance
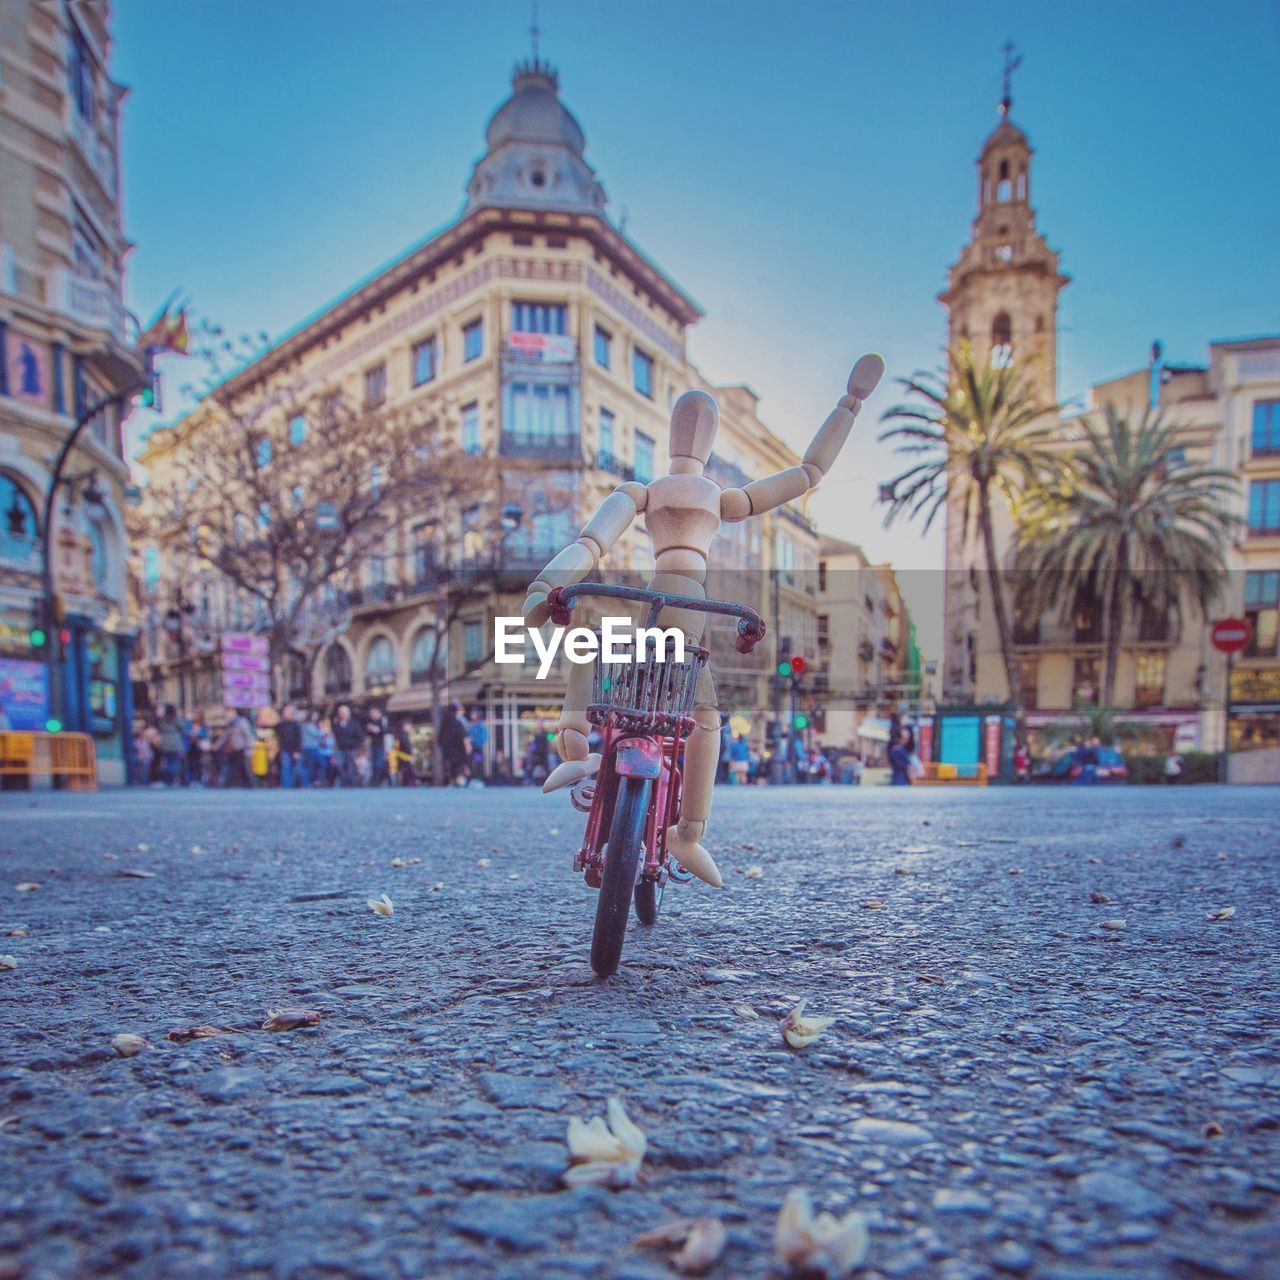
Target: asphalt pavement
(1023, 1079)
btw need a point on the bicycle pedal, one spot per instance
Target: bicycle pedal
(583, 794)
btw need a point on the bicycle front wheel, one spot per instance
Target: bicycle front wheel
(621, 861)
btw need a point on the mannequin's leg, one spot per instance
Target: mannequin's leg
(701, 757)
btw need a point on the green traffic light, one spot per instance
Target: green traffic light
(37, 637)
(801, 722)
(148, 398)
(53, 725)
(784, 669)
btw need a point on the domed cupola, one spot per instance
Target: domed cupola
(535, 157)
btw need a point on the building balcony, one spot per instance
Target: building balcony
(97, 155)
(614, 465)
(798, 518)
(541, 448)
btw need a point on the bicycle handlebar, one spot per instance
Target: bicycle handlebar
(751, 628)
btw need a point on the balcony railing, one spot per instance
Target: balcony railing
(614, 465)
(96, 304)
(541, 448)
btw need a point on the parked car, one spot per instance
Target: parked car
(1066, 768)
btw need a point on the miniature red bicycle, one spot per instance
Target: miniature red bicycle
(644, 709)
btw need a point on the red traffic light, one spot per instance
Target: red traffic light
(798, 665)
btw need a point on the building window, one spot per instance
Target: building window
(1001, 341)
(644, 457)
(1262, 609)
(604, 348)
(337, 670)
(380, 665)
(263, 451)
(540, 412)
(375, 386)
(606, 431)
(642, 372)
(1029, 680)
(98, 562)
(264, 516)
(297, 428)
(80, 75)
(297, 499)
(473, 643)
(424, 550)
(1266, 426)
(472, 340)
(422, 657)
(1084, 680)
(424, 361)
(1264, 506)
(18, 527)
(1148, 687)
(539, 317)
(824, 631)
(471, 427)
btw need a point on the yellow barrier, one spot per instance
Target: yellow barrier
(58, 755)
(970, 775)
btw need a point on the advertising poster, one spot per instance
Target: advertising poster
(24, 693)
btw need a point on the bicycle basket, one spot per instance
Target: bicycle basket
(647, 694)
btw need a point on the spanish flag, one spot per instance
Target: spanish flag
(169, 330)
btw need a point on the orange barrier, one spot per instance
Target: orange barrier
(964, 775)
(58, 755)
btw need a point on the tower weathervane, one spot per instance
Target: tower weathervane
(534, 30)
(1011, 64)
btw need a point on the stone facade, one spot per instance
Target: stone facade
(66, 343)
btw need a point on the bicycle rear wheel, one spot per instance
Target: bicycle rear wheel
(621, 861)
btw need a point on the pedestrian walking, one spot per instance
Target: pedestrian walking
(347, 737)
(402, 757)
(478, 738)
(739, 760)
(453, 744)
(900, 760)
(289, 748)
(537, 756)
(376, 728)
(311, 736)
(326, 750)
(1172, 768)
(170, 746)
(235, 745)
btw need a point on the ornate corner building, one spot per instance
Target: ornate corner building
(66, 343)
(544, 339)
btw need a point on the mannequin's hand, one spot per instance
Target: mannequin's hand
(536, 610)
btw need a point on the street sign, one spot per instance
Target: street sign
(243, 642)
(246, 662)
(1230, 635)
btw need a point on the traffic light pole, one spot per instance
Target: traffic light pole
(48, 607)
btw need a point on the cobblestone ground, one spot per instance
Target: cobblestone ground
(1011, 1087)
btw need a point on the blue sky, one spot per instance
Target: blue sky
(805, 170)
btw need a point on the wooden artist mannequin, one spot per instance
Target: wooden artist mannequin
(683, 511)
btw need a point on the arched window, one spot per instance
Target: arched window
(423, 653)
(380, 665)
(337, 670)
(1022, 185)
(99, 561)
(1003, 187)
(1001, 341)
(19, 531)
(296, 677)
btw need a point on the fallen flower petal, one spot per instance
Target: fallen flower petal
(132, 873)
(755, 873)
(290, 1019)
(873, 904)
(8, 962)
(183, 1035)
(818, 1246)
(383, 905)
(702, 1249)
(482, 862)
(746, 1011)
(27, 886)
(398, 862)
(903, 871)
(1114, 925)
(1092, 859)
(799, 1031)
(126, 1044)
(674, 1232)
(1212, 1130)
(1015, 871)
(16, 933)
(515, 875)
(1222, 913)
(604, 1155)
(1100, 898)
(916, 848)
(439, 884)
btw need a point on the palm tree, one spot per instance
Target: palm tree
(978, 433)
(1129, 525)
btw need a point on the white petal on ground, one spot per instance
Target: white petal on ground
(126, 1044)
(799, 1031)
(604, 1155)
(702, 1249)
(822, 1245)
(383, 905)
(8, 962)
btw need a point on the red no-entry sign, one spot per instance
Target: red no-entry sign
(1230, 635)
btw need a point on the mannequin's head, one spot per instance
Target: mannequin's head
(694, 419)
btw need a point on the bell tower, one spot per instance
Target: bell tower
(1002, 292)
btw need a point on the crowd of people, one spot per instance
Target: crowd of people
(301, 748)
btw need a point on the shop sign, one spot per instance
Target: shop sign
(548, 348)
(243, 642)
(24, 693)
